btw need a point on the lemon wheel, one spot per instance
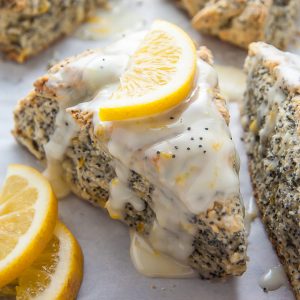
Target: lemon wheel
(57, 273)
(28, 213)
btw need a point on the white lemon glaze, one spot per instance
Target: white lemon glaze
(273, 279)
(232, 82)
(77, 83)
(153, 263)
(284, 65)
(250, 214)
(55, 149)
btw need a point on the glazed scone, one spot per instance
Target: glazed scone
(29, 26)
(271, 120)
(171, 177)
(242, 22)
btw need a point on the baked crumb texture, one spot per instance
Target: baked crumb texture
(220, 243)
(242, 22)
(30, 26)
(271, 121)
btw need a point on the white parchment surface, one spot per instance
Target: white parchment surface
(109, 273)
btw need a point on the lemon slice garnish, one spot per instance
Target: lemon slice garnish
(28, 213)
(160, 75)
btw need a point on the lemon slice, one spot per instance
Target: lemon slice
(160, 75)
(28, 213)
(55, 274)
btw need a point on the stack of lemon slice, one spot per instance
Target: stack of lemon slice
(39, 257)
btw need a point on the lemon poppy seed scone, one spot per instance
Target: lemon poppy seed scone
(271, 121)
(140, 128)
(242, 22)
(28, 26)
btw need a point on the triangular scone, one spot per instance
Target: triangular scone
(271, 120)
(27, 27)
(173, 178)
(242, 22)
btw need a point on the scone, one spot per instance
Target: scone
(172, 177)
(29, 26)
(242, 22)
(271, 120)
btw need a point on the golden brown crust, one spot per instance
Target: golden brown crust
(21, 56)
(15, 5)
(205, 54)
(220, 102)
(26, 7)
(82, 118)
(256, 17)
(248, 20)
(214, 15)
(192, 6)
(242, 22)
(28, 27)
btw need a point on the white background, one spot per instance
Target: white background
(109, 273)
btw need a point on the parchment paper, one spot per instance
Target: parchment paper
(109, 273)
